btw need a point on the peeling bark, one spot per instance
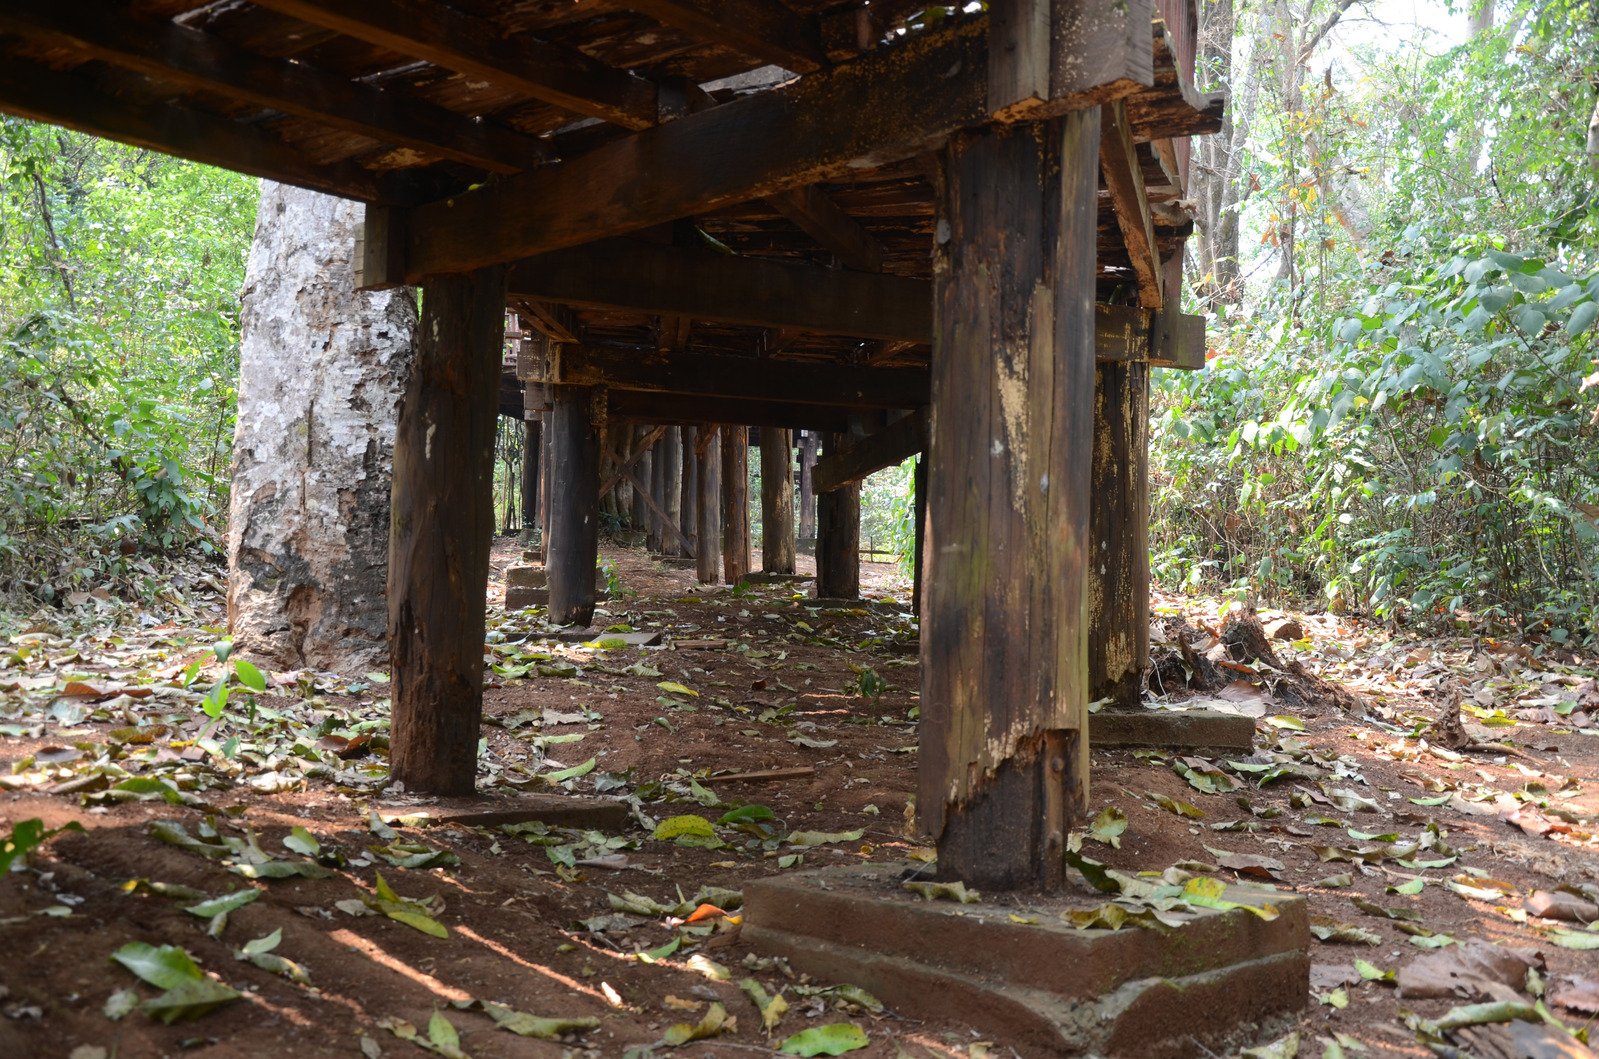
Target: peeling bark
(321, 370)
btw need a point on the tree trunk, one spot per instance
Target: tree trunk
(1118, 595)
(441, 529)
(321, 370)
(777, 500)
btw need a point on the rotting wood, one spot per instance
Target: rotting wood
(818, 216)
(1118, 579)
(708, 505)
(777, 500)
(838, 536)
(571, 547)
(1124, 179)
(889, 447)
(735, 504)
(1003, 636)
(443, 524)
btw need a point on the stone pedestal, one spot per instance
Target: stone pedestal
(528, 586)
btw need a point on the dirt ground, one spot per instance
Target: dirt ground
(1406, 849)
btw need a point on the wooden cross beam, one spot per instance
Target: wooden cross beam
(1124, 179)
(889, 447)
(680, 409)
(893, 103)
(643, 491)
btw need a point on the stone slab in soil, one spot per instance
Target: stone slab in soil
(555, 809)
(1187, 729)
(1220, 978)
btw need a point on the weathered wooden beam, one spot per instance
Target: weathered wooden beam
(710, 375)
(889, 447)
(634, 455)
(642, 489)
(682, 409)
(1118, 597)
(182, 56)
(777, 500)
(704, 285)
(761, 29)
(477, 47)
(1124, 179)
(439, 537)
(735, 503)
(1003, 763)
(73, 100)
(1177, 340)
(893, 103)
(571, 546)
(838, 537)
(818, 216)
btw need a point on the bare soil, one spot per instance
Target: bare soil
(770, 684)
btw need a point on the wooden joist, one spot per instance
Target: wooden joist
(478, 47)
(820, 217)
(1124, 179)
(191, 59)
(761, 29)
(889, 447)
(76, 101)
(704, 285)
(892, 103)
(709, 375)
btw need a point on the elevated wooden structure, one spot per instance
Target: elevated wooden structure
(897, 225)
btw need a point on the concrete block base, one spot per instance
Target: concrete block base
(677, 562)
(557, 810)
(1042, 986)
(528, 586)
(1184, 729)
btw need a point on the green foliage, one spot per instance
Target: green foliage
(1403, 422)
(120, 273)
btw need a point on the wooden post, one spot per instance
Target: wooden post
(670, 456)
(807, 492)
(639, 516)
(708, 505)
(546, 448)
(919, 531)
(531, 442)
(689, 494)
(1118, 595)
(440, 532)
(1003, 769)
(735, 503)
(656, 482)
(777, 500)
(572, 548)
(838, 537)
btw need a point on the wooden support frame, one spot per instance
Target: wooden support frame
(777, 500)
(1124, 179)
(838, 536)
(1118, 607)
(820, 217)
(443, 502)
(889, 447)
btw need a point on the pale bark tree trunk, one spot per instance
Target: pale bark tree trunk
(321, 371)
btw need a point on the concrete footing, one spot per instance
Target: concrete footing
(1041, 985)
(528, 586)
(1183, 729)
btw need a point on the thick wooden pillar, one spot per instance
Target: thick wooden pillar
(546, 447)
(807, 490)
(838, 537)
(689, 493)
(572, 546)
(442, 525)
(708, 505)
(735, 503)
(639, 516)
(1004, 622)
(1118, 596)
(777, 500)
(669, 454)
(919, 531)
(531, 442)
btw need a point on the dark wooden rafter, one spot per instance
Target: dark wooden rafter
(478, 47)
(709, 375)
(818, 216)
(190, 59)
(889, 447)
(76, 101)
(761, 29)
(1124, 180)
(892, 103)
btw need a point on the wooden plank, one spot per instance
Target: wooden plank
(1118, 596)
(479, 48)
(1002, 770)
(182, 56)
(681, 409)
(777, 500)
(820, 217)
(380, 248)
(708, 505)
(889, 447)
(735, 503)
(760, 29)
(893, 103)
(572, 543)
(704, 285)
(72, 100)
(1124, 179)
(838, 537)
(439, 538)
(711, 375)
